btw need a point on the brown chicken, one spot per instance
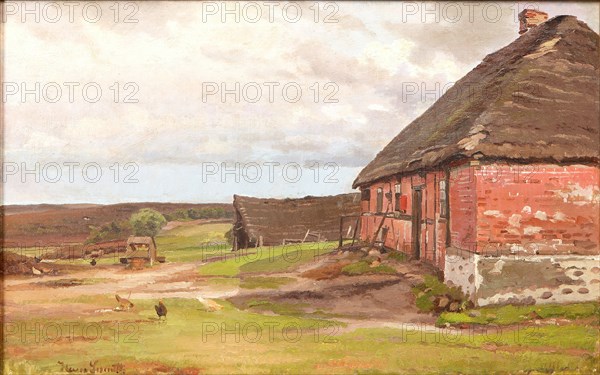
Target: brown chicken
(161, 309)
(124, 304)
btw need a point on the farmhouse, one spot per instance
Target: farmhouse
(497, 183)
(278, 221)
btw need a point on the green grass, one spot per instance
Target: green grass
(267, 259)
(509, 314)
(223, 281)
(397, 256)
(190, 336)
(288, 309)
(259, 282)
(288, 259)
(187, 243)
(364, 267)
(226, 341)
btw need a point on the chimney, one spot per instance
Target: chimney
(529, 18)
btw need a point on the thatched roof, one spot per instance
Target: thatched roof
(534, 100)
(278, 219)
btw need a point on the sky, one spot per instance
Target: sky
(193, 102)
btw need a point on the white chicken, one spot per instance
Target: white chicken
(208, 304)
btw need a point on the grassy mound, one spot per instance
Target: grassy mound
(260, 282)
(363, 268)
(434, 295)
(506, 315)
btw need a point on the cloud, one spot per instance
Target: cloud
(363, 62)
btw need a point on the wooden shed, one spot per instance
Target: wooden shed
(262, 221)
(140, 250)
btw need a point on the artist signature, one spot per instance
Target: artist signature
(115, 368)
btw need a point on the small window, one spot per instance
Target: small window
(365, 195)
(443, 199)
(397, 196)
(379, 200)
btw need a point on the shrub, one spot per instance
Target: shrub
(147, 222)
(229, 236)
(434, 295)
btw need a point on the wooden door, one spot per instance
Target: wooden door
(417, 200)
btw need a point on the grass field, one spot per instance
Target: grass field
(192, 243)
(235, 341)
(268, 259)
(71, 332)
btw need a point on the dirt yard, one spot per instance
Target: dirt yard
(352, 297)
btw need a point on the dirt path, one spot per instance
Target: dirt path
(360, 301)
(33, 295)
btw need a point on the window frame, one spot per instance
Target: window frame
(443, 198)
(398, 197)
(365, 194)
(379, 201)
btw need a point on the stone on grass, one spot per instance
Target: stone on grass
(546, 295)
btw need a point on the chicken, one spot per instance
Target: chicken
(124, 304)
(208, 304)
(161, 309)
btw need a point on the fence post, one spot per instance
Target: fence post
(341, 234)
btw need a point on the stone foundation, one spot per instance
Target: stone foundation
(524, 280)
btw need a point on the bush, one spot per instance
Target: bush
(229, 236)
(434, 295)
(147, 222)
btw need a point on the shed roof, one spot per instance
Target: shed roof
(278, 219)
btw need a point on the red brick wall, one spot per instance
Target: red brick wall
(463, 208)
(548, 209)
(495, 208)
